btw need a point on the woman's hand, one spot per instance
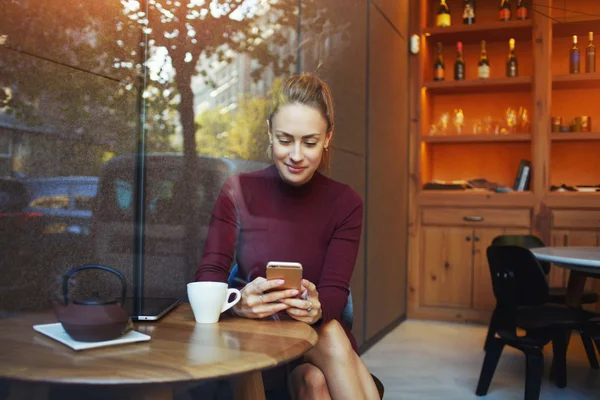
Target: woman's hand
(307, 308)
(256, 303)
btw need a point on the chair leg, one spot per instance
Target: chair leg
(534, 373)
(559, 360)
(589, 349)
(492, 356)
(491, 331)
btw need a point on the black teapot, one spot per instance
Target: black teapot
(93, 319)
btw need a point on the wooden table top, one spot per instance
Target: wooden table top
(180, 350)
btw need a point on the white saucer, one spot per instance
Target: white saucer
(57, 332)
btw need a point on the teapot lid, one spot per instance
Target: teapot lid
(95, 300)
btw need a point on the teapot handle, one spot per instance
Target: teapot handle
(92, 266)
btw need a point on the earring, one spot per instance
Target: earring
(326, 148)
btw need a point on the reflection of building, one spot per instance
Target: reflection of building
(235, 77)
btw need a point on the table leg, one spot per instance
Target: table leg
(575, 288)
(249, 387)
(27, 391)
(574, 292)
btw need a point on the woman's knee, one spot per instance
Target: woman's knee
(308, 381)
(333, 342)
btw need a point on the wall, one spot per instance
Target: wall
(368, 74)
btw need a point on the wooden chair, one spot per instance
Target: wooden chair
(556, 295)
(522, 295)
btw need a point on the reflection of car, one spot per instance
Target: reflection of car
(167, 212)
(42, 217)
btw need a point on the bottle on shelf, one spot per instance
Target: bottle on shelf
(575, 57)
(459, 64)
(442, 18)
(483, 69)
(505, 10)
(522, 10)
(590, 55)
(439, 68)
(511, 64)
(469, 12)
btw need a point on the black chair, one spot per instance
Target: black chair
(347, 317)
(557, 295)
(522, 296)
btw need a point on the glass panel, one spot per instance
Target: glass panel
(210, 70)
(67, 106)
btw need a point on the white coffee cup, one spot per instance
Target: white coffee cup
(209, 300)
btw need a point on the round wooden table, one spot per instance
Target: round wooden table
(582, 261)
(180, 351)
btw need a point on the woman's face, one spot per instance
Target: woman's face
(299, 136)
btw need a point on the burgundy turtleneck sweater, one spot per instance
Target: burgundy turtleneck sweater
(260, 218)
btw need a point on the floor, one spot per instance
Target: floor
(436, 360)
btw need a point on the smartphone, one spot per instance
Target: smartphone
(290, 272)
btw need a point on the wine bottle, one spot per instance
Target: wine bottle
(469, 12)
(439, 68)
(483, 70)
(575, 57)
(522, 10)
(442, 18)
(505, 10)
(459, 64)
(590, 55)
(511, 64)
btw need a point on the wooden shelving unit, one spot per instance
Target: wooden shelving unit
(499, 85)
(576, 81)
(449, 230)
(515, 137)
(579, 25)
(493, 30)
(574, 136)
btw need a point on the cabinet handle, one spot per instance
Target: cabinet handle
(473, 219)
(446, 265)
(477, 238)
(468, 238)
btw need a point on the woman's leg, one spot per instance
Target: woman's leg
(307, 382)
(346, 375)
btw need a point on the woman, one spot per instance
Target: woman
(291, 212)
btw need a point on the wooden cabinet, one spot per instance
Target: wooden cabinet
(574, 228)
(448, 275)
(454, 268)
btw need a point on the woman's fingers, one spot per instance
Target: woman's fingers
(298, 303)
(264, 285)
(278, 295)
(310, 287)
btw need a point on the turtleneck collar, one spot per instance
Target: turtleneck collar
(273, 174)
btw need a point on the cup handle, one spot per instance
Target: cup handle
(228, 305)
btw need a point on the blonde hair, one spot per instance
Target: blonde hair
(310, 91)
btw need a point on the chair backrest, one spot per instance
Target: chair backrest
(526, 241)
(517, 277)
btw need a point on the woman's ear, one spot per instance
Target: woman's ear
(328, 137)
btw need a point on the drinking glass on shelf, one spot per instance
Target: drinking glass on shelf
(487, 125)
(477, 127)
(459, 120)
(511, 121)
(443, 123)
(524, 123)
(433, 130)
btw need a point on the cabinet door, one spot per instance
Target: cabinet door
(483, 294)
(447, 266)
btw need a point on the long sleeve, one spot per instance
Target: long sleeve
(341, 256)
(222, 238)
